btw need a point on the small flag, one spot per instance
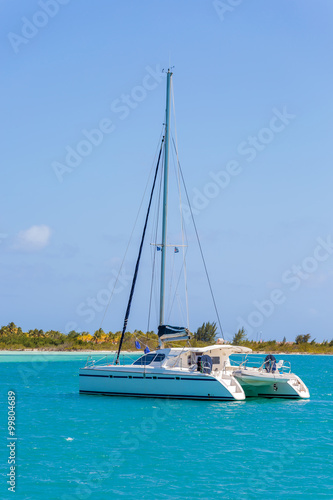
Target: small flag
(158, 249)
(137, 344)
(176, 250)
(146, 350)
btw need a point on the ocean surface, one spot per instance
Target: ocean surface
(79, 447)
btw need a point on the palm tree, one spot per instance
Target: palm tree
(239, 337)
(206, 333)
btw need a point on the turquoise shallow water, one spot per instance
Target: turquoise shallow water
(149, 448)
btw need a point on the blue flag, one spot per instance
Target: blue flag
(146, 350)
(137, 344)
(158, 249)
(176, 250)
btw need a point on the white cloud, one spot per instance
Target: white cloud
(34, 238)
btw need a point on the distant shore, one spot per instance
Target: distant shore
(14, 339)
(138, 352)
(53, 351)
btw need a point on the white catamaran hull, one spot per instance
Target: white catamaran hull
(178, 385)
(271, 386)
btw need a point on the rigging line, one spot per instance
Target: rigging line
(137, 337)
(157, 283)
(179, 276)
(154, 250)
(173, 273)
(138, 259)
(177, 357)
(184, 245)
(201, 252)
(170, 288)
(130, 238)
(156, 214)
(180, 205)
(180, 307)
(153, 232)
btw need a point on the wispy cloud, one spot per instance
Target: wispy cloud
(33, 239)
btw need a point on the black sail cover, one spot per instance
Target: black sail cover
(167, 332)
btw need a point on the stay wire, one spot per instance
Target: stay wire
(200, 247)
(180, 208)
(130, 238)
(138, 260)
(154, 253)
(176, 291)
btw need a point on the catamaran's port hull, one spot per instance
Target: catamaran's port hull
(198, 387)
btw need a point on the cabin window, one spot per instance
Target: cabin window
(159, 358)
(145, 360)
(216, 360)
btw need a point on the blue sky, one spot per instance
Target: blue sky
(252, 84)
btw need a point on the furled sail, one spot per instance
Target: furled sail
(167, 332)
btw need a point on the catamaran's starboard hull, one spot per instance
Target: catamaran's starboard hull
(294, 388)
(180, 386)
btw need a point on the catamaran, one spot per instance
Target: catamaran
(204, 373)
(186, 373)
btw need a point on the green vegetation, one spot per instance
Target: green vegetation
(206, 333)
(301, 344)
(13, 338)
(302, 339)
(239, 337)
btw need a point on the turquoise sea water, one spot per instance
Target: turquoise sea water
(73, 446)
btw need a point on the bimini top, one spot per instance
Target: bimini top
(227, 348)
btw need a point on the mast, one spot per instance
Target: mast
(165, 195)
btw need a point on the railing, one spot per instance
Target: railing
(109, 359)
(258, 362)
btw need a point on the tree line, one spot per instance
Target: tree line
(301, 344)
(12, 337)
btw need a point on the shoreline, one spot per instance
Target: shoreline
(140, 352)
(38, 351)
